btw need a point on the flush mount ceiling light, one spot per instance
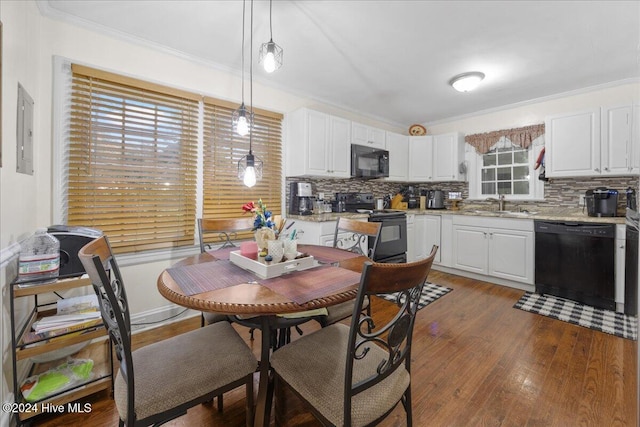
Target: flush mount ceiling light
(270, 53)
(249, 166)
(242, 119)
(466, 82)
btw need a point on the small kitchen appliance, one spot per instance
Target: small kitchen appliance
(632, 202)
(601, 202)
(435, 199)
(72, 239)
(300, 198)
(368, 162)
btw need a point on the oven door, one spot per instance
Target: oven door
(392, 244)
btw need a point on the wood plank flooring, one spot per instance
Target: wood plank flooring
(476, 362)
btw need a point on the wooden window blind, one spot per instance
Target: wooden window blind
(223, 193)
(132, 158)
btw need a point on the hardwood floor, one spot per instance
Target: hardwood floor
(476, 362)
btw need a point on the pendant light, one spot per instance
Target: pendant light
(250, 166)
(270, 53)
(242, 119)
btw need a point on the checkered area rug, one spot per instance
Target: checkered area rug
(610, 322)
(430, 293)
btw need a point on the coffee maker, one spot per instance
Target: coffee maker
(300, 201)
(601, 202)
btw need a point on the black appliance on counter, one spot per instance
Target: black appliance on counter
(576, 260)
(300, 200)
(631, 263)
(632, 202)
(72, 239)
(392, 246)
(601, 202)
(368, 162)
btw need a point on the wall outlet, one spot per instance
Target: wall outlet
(581, 202)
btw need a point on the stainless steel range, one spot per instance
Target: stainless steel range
(392, 246)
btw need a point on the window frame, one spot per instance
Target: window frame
(475, 162)
(61, 133)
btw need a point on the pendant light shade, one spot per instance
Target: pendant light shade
(270, 53)
(242, 120)
(270, 56)
(250, 169)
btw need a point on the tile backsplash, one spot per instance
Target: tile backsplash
(561, 193)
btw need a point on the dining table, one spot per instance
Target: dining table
(212, 282)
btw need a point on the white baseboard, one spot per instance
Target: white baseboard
(490, 279)
(161, 316)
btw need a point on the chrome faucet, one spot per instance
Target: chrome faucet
(501, 201)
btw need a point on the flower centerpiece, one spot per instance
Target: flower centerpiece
(263, 225)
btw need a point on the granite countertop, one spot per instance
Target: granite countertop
(550, 214)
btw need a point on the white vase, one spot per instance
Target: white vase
(262, 235)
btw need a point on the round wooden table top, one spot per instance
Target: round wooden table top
(248, 298)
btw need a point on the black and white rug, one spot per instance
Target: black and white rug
(430, 293)
(610, 322)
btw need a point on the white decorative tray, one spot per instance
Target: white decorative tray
(272, 270)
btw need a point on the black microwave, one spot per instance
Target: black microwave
(368, 162)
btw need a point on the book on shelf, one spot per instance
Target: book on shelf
(33, 336)
(61, 321)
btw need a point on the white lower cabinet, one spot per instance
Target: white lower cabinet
(411, 238)
(495, 247)
(427, 234)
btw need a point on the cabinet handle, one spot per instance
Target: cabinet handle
(621, 246)
(606, 169)
(597, 170)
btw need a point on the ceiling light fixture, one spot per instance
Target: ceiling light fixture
(466, 82)
(270, 53)
(242, 119)
(249, 166)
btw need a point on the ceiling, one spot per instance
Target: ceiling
(392, 60)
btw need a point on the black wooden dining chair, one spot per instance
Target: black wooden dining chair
(160, 381)
(223, 232)
(357, 375)
(354, 236)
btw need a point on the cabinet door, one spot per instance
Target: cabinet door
(511, 255)
(470, 249)
(420, 158)
(317, 140)
(420, 234)
(616, 140)
(398, 146)
(635, 140)
(340, 153)
(445, 157)
(620, 266)
(411, 238)
(367, 135)
(431, 235)
(573, 144)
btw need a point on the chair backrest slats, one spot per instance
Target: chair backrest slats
(362, 236)
(226, 230)
(394, 336)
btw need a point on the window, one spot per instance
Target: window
(223, 193)
(130, 159)
(505, 171)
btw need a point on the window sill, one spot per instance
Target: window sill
(126, 260)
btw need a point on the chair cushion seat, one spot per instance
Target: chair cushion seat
(211, 318)
(314, 366)
(182, 368)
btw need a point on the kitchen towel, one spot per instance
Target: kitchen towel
(430, 293)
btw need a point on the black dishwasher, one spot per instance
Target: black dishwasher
(576, 260)
(631, 263)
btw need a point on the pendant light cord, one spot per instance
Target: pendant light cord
(270, 20)
(251, 75)
(242, 50)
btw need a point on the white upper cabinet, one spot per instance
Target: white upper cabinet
(448, 152)
(615, 154)
(435, 158)
(367, 135)
(595, 142)
(573, 144)
(398, 147)
(420, 158)
(318, 144)
(635, 140)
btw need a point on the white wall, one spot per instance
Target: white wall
(534, 112)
